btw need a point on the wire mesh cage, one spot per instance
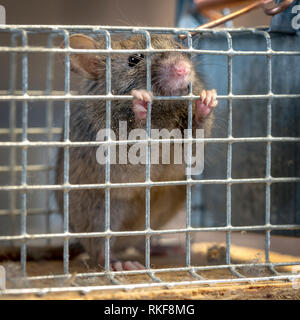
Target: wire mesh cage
(39, 92)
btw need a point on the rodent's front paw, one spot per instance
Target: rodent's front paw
(139, 107)
(207, 102)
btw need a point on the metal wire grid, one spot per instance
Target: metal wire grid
(50, 96)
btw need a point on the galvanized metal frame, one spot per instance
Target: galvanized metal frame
(49, 96)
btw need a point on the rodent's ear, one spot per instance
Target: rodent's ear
(86, 64)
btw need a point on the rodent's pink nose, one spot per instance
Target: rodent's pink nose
(181, 69)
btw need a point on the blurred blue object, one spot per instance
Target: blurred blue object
(187, 15)
(282, 22)
(249, 119)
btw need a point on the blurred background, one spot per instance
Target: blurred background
(108, 12)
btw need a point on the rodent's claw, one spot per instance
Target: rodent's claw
(141, 97)
(127, 265)
(208, 101)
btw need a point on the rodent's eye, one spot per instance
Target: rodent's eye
(135, 59)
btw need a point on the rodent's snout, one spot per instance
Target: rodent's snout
(181, 68)
(174, 75)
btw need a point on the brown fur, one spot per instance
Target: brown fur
(127, 205)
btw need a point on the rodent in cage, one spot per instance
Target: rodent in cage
(171, 75)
